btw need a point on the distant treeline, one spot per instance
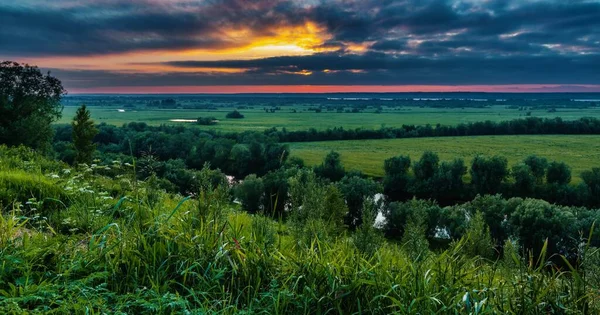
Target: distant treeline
(330, 102)
(525, 126)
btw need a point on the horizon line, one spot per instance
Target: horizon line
(340, 89)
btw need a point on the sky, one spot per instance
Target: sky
(229, 46)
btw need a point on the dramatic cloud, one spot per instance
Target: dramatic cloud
(272, 42)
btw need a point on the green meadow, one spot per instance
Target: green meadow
(581, 152)
(257, 119)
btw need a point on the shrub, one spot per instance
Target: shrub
(478, 240)
(234, 115)
(206, 121)
(250, 193)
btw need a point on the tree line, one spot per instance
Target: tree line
(444, 181)
(524, 126)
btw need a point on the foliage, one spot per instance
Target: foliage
(525, 179)
(356, 191)
(367, 238)
(84, 132)
(250, 193)
(423, 213)
(478, 241)
(538, 166)
(206, 121)
(414, 239)
(331, 168)
(592, 181)
(558, 173)
(488, 173)
(234, 115)
(535, 221)
(396, 181)
(29, 103)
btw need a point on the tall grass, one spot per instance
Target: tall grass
(147, 252)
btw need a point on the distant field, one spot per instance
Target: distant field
(579, 152)
(257, 119)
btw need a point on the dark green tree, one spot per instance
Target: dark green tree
(396, 180)
(525, 179)
(558, 173)
(426, 167)
(84, 132)
(29, 103)
(397, 215)
(535, 220)
(356, 190)
(331, 167)
(234, 115)
(538, 166)
(250, 193)
(447, 184)
(592, 181)
(487, 174)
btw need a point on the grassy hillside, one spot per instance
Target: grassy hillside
(117, 245)
(581, 152)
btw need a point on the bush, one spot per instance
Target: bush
(234, 115)
(398, 214)
(206, 121)
(477, 238)
(250, 193)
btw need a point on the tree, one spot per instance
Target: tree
(592, 181)
(250, 193)
(524, 179)
(558, 173)
(241, 158)
(447, 184)
(488, 173)
(396, 180)
(535, 220)
(29, 103)
(331, 167)
(356, 190)
(426, 167)
(84, 132)
(538, 167)
(398, 214)
(206, 121)
(234, 114)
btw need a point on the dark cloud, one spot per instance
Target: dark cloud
(375, 68)
(407, 42)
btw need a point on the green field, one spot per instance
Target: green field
(257, 119)
(581, 152)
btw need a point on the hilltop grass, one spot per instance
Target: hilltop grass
(257, 120)
(581, 152)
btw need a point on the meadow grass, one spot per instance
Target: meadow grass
(257, 119)
(581, 152)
